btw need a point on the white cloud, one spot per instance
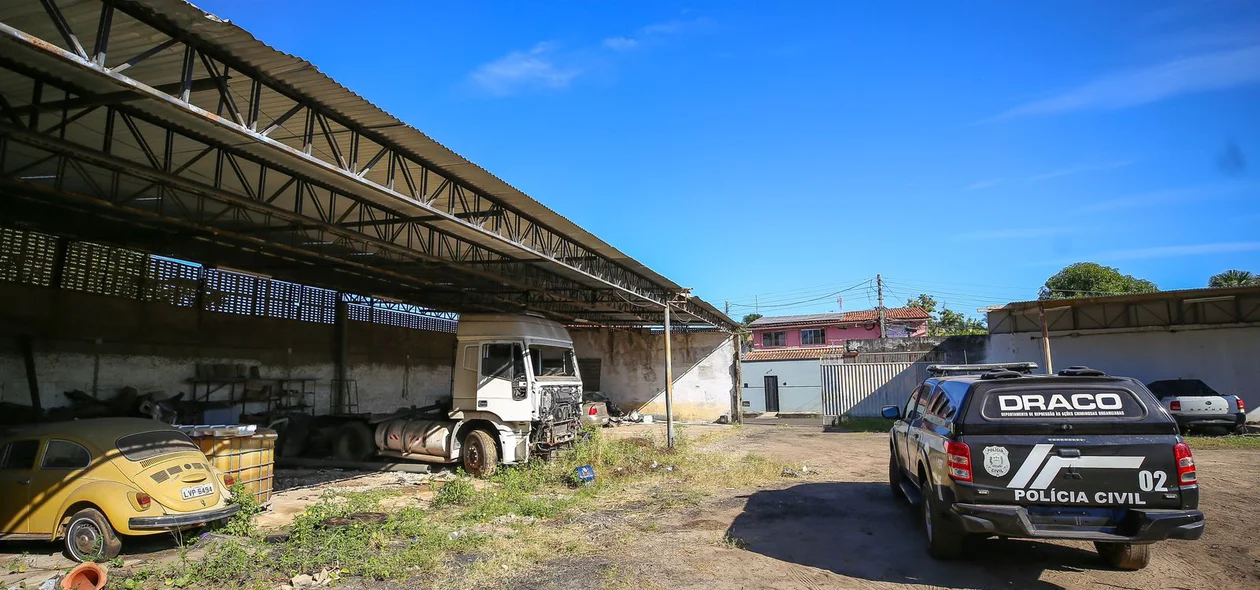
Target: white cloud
(1174, 251)
(535, 69)
(983, 184)
(1201, 73)
(620, 43)
(1073, 170)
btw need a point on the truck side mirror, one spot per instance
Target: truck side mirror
(890, 413)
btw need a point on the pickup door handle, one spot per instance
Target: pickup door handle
(1070, 453)
(25, 482)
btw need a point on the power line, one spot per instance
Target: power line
(789, 295)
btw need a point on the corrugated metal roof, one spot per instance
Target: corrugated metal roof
(299, 80)
(1132, 298)
(792, 354)
(868, 315)
(306, 79)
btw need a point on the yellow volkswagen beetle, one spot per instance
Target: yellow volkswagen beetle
(90, 481)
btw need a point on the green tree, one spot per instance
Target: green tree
(953, 323)
(1233, 278)
(1090, 279)
(946, 322)
(750, 318)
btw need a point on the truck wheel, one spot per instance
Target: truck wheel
(89, 537)
(894, 477)
(292, 440)
(944, 536)
(1124, 556)
(481, 455)
(355, 442)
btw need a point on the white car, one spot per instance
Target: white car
(1194, 404)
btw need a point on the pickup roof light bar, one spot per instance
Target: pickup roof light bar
(941, 370)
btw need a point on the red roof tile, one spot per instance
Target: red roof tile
(792, 354)
(848, 317)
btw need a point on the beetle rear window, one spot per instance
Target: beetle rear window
(145, 445)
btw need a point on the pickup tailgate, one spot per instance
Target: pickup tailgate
(1088, 445)
(1087, 470)
(1203, 406)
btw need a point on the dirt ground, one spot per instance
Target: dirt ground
(838, 527)
(835, 526)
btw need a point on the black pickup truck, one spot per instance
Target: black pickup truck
(1079, 455)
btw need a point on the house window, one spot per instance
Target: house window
(774, 339)
(816, 336)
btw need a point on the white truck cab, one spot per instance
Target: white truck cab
(516, 394)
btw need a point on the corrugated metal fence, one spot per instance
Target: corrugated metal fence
(861, 389)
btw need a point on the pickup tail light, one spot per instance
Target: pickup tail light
(1185, 464)
(1175, 405)
(958, 457)
(1242, 406)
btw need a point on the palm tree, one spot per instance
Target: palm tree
(1234, 278)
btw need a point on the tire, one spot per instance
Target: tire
(944, 537)
(292, 439)
(480, 454)
(894, 477)
(1124, 556)
(355, 442)
(89, 537)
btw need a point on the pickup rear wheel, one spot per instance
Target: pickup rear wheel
(89, 537)
(944, 537)
(1124, 556)
(481, 455)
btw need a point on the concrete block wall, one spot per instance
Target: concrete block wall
(82, 340)
(1224, 358)
(632, 370)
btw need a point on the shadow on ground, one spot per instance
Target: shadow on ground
(858, 530)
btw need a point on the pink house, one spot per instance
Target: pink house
(833, 329)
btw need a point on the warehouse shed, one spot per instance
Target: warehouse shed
(1206, 334)
(184, 208)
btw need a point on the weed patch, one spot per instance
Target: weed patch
(523, 516)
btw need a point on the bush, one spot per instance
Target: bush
(242, 523)
(457, 492)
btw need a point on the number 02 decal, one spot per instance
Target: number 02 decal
(1152, 481)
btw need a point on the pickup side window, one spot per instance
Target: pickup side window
(912, 405)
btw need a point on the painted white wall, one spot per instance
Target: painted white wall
(800, 385)
(633, 370)
(1226, 359)
(382, 387)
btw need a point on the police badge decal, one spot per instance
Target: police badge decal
(996, 462)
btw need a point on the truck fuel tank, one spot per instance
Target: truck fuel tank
(421, 437)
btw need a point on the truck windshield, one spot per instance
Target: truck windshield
(552, 361)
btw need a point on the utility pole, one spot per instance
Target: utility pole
(1045, 339)
(879, 287)
(726, 308)
(669, 385)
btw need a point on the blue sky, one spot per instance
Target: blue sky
(968, 150)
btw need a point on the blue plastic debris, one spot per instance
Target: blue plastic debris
(584, 474)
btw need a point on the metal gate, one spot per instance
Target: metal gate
(861, 389)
